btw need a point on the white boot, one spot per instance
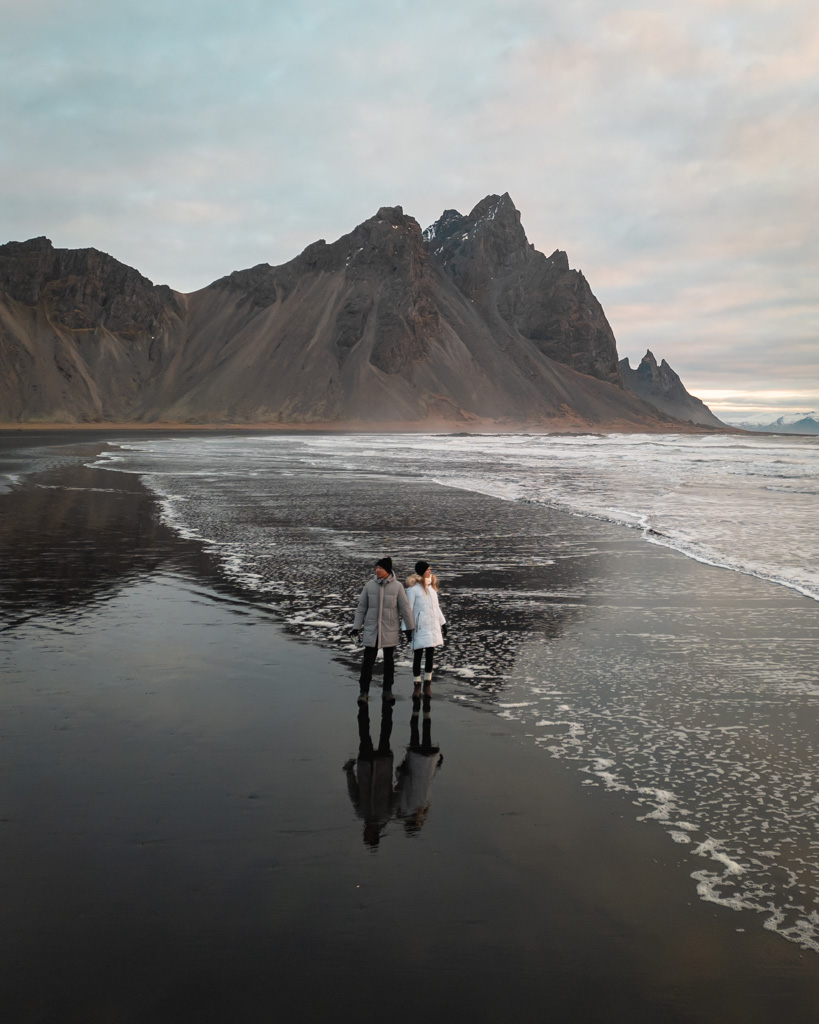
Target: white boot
(427, 677)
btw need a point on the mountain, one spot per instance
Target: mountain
(791, 423)
(82, 336)
(662, 387)
(462, 323)
(520, 291)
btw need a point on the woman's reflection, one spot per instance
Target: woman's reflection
(377, 799)
(417, 770)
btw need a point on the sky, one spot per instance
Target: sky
(670, 148)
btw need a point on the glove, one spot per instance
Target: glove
(408, 635)
(444, 631)
(354, 633)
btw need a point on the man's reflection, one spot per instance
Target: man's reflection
(417, 770)
(377, 799)
(369, 777)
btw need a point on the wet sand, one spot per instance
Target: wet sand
(468, 424)
(179, 841)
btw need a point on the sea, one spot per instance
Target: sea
(748, 505)
(647, 606)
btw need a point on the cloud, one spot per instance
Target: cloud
(671, 152)
(757, 405)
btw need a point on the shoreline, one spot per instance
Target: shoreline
(91, 432)
(363, 427)
(189, 790)
(508, 859)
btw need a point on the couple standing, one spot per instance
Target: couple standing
(383, 604)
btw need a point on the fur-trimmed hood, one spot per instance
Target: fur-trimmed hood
(414, 579)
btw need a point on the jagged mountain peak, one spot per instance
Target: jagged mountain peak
(385, 229)
(384, 324)
(386, 243)
(660, 374)
(494, 217)
(662, 387)
(559, 260)
(489, 258)
(393, 215)
(493, 208)
(649, 362)
(447, 218)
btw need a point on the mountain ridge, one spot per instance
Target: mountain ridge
(463, 323)
(661, 387)
(788, 423)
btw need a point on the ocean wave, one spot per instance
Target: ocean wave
(683, 754)
(674, 488)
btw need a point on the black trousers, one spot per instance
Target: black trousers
(369, 661)
(429, 654)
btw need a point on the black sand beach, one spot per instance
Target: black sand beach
(177, 837)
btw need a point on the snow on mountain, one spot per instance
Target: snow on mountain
(787, 423)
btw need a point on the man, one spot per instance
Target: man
(382, 605)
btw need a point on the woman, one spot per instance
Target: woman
(430, 624)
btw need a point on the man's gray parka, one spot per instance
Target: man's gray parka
(382, 605)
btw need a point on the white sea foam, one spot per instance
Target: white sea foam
(710, 848)
(714, 498)
(698, 759)
(753, 783)
(9, 481)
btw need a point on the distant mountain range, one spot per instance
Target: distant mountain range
(464, 323)
(792, 423)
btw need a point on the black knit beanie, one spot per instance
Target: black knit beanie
(385, 563)
(421, 567)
